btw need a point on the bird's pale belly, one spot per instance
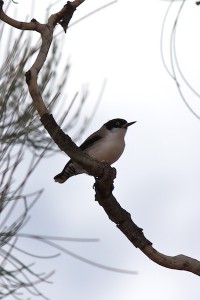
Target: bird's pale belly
(109, 153)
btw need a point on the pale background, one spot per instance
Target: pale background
(158, 174)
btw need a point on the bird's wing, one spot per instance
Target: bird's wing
(90, 141)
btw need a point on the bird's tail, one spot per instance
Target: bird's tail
(68, 171)
(61, 177)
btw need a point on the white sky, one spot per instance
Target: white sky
(158, 174)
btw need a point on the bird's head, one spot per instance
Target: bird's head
(118, 123)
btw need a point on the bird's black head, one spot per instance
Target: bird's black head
(118, 123)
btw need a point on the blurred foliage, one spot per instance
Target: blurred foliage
(20, 129)
(18, 117)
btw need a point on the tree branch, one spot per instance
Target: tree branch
(123, 220)
(17, 24)
(102, 172)
(178, 262)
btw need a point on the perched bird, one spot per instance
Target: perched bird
(106, 144)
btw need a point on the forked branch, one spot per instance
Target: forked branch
(102, 172)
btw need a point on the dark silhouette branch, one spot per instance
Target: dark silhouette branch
(103, 173)
(123, 220)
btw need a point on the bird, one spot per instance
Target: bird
(106, 145)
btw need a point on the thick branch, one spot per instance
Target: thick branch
(122, 219)
(178, 262)
(33, 25)
(64, 16)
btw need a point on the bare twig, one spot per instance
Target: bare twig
(176, 73)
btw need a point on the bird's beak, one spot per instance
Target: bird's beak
(128, 124)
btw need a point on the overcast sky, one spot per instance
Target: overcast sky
(158, 174)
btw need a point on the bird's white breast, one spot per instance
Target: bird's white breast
(110, 147)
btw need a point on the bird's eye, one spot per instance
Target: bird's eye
(117, 123)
